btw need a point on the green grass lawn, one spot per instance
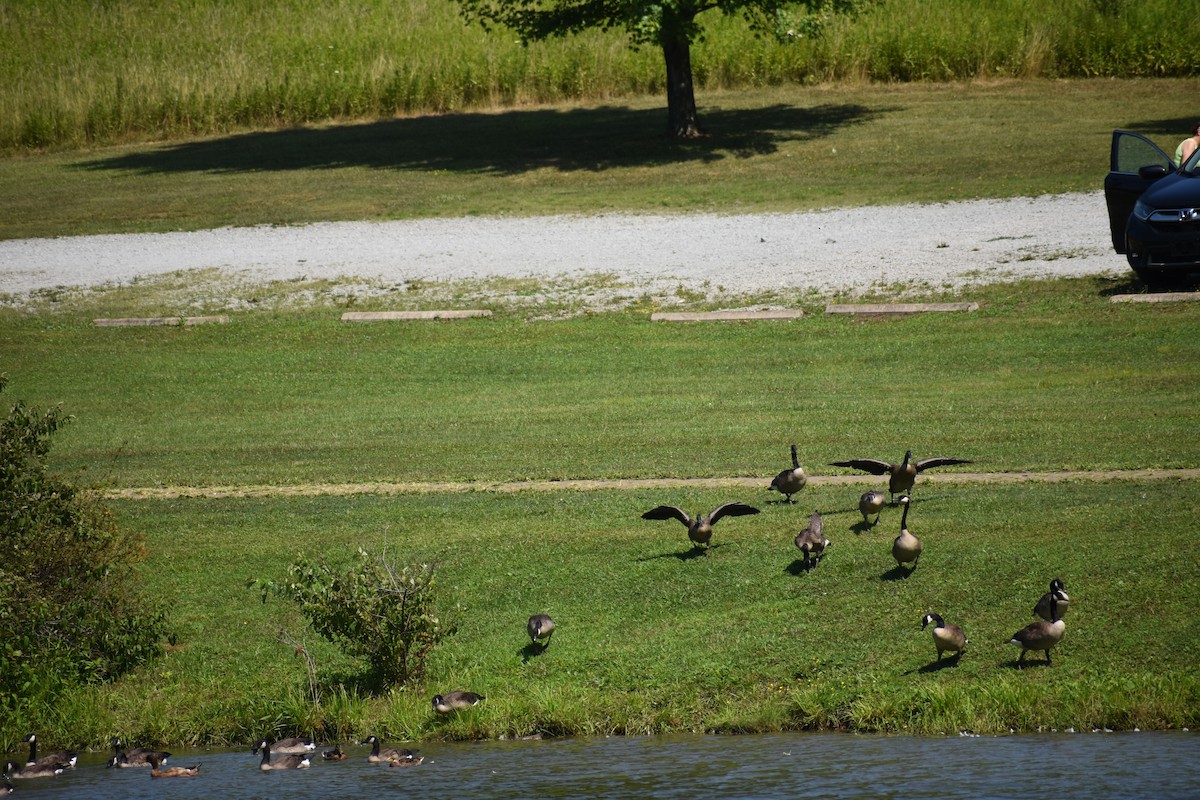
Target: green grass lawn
(653, 639)
(779, 148)
(1046, 375)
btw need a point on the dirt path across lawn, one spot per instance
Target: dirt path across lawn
(412, 487)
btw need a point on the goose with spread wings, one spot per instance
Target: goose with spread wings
(902, 476)
(700, 527)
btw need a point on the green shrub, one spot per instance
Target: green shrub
(70, 610)
(374, 610)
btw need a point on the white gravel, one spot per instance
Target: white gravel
(945, 244)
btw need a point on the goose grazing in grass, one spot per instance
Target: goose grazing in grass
(871, 503)
(16, 772)
(945, 637)
(1041, 635)
(700, 528)
(540, 628)
(66, 757)
(791, 480)
(902, 476)
(1042, 609)
(455, 701)
(811, 541)
(136, 756)
(906, 547)
(388, 754)
(171, 772)
(291, 761)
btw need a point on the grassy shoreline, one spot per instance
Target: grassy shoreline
(741, 641)
(660, 642)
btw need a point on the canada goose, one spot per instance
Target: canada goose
(388, 753)
(171, 772)
(700, 528)
(791, 480)
(540, 627)
(871, 503)
(900, 476)
(406, 762)
(1041, 635)
(6, 788)
(1042, 609)
(66, 757)
(812, 541)
(945, 637)
(135, 756)
(286, 762)
(15, 772)
(291, 746)
(455, 701)
(906, 547)
(336, 754)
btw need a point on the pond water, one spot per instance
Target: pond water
(1091, 765)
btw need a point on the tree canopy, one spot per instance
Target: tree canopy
(669, 24)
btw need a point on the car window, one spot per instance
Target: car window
(1132, 151)
(1192, 165)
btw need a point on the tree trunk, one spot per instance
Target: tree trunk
(681, 100)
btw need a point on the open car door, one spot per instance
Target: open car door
(1134, 163)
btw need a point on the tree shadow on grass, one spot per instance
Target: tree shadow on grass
(508, 143)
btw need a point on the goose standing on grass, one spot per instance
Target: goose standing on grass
(811, 541)
(700, 528)
(902, 476)
(136, 756)
(12, 770)
(65, 757)
(171, 772)
(540, 628)
(871, 503)
(387, 754)
(791, 480)
(284, 762)
(945, 637)
(1041, 635)
(1042, 609)
(455, 701)
(906, 547)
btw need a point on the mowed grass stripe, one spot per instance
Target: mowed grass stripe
(600, 484)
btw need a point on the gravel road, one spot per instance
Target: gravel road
(959, 244)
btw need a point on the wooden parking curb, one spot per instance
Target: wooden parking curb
(723, 316)
(896, 309)
(384, 316)
(1160, 297)
(142, 322)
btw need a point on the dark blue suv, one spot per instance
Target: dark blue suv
(1153, 208)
